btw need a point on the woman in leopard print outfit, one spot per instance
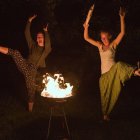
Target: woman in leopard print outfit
(29, 70)
(38, 52)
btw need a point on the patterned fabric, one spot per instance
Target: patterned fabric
(27, 69)
(111, 83)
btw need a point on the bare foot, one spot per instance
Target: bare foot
(30, 106)
(137, 72)
(106, 118)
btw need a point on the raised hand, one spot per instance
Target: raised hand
(32, 18)
(85, 25)
(46, 28)
(89, 14)
(122, 12)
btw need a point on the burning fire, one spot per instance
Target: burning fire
(55, 87)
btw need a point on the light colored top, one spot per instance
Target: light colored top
(107, 57)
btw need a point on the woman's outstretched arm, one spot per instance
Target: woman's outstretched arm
(28, 32)
(86, 26)
(3, 50)
(122, 24)
(47, 39)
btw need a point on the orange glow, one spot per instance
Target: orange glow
(55, 87)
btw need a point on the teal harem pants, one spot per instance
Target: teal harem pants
(111, 83)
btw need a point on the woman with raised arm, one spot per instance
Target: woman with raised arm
(113, 74)
(39, 50)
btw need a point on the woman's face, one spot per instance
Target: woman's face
(40, 39)
(105, 38)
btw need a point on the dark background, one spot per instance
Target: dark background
(77, 60)
(71, 54)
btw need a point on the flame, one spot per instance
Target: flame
(55, 87)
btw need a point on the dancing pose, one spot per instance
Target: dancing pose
(113, 74)
(38, 51)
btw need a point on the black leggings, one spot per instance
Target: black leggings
(27, 69)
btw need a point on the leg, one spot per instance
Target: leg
(110, 86)
(105, 95)
(28, 70)
(30, 106)
(30, 83)
(20, 62)
(124, 71)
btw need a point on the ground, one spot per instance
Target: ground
(83, 116)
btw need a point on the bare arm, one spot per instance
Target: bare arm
(28, 33)
(88, 39)
(89, 14)
(47, 40)
(86, 25)
(122, 24)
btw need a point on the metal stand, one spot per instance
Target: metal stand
(59, 105)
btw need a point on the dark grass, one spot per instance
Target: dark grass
(83, 114)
